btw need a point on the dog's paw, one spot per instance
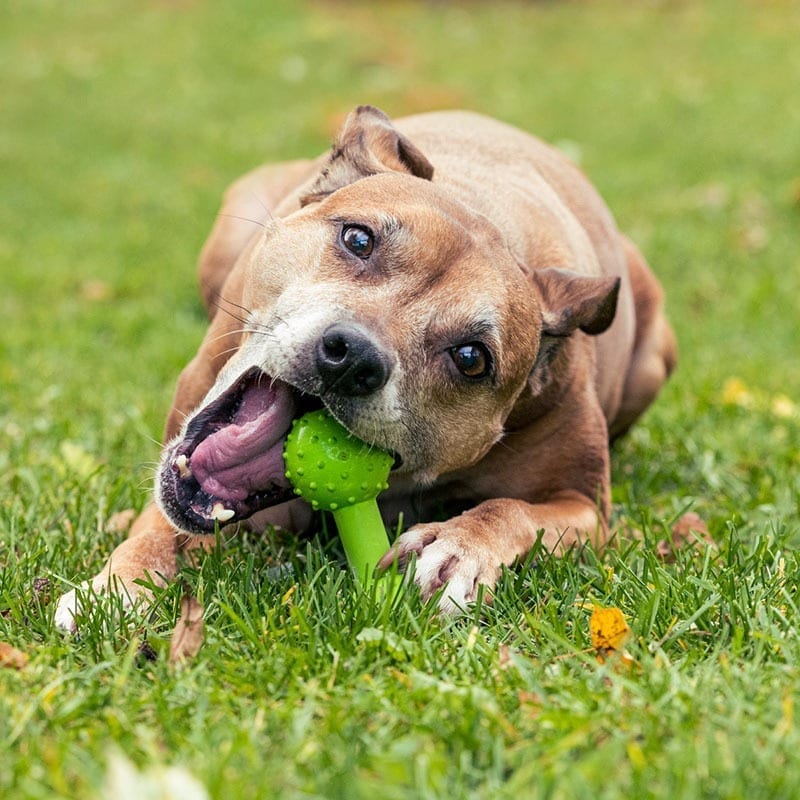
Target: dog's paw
(68, 609)
(78, 602)
(449, 555)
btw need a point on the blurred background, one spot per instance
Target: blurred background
(123, 122)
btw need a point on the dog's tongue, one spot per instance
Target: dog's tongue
(245, 455)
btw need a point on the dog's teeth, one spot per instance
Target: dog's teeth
(220, 513)
(182, 463)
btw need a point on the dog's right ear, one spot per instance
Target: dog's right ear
(367, 145)
(569, 302)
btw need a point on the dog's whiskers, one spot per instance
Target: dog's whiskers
(235, 332)
(151, 473)
(242, 219)
(229, 351)
(247, 328)
(260, 201)
(244, 320)
(224, 304)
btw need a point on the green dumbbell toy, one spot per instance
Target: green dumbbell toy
(336, 472)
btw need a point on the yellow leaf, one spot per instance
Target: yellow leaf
(783, 407)
(786, 722)
(76, 460)
(736, 393)
(608, 629)
(636, 755)
(287, 596)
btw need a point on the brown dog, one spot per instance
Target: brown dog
(454, 291)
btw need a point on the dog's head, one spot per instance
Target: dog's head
(390, 302)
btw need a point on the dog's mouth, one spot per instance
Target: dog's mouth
(229, 463)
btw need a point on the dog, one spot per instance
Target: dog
(455, 292)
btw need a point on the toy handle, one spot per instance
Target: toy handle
(363, 552)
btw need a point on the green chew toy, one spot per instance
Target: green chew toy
(336, 472)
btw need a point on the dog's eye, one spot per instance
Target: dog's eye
(471, 360)
(359, 241)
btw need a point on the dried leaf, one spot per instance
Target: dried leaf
(531, 704)
(187, 638)
(690, 523)
(96, 291)
(688, 530)
(665, 551)
(12, 658)
(609, 631)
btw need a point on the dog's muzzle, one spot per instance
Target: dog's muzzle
(228, 464)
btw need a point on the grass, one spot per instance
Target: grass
(122, 124)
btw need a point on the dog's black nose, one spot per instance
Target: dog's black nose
(349, 362)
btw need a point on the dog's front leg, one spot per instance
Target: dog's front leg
(468, 551)
(150, 552)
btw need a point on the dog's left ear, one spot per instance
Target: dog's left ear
(571, 301)
(367, 145)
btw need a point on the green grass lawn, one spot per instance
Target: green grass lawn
(121, 125)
